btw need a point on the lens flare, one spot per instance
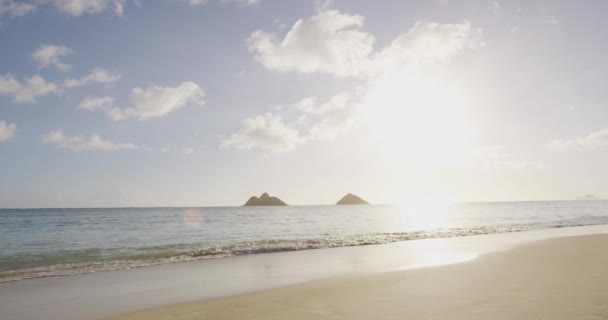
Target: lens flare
(192, 218)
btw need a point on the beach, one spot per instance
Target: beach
(553, 273)
(560, 278)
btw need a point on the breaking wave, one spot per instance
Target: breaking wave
(148, 256)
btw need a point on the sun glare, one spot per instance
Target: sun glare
(423, 211)
(419, 119)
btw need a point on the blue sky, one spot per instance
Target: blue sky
(188, 103)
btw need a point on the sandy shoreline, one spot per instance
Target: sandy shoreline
(562, 278)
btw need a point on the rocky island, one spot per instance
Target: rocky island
(351, 199)
(264, 200)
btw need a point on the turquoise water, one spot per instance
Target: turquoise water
(46, 242)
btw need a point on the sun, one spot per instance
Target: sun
(419, 118)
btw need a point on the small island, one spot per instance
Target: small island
(351, 199)
(264, 200)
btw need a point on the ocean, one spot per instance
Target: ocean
(51, 242)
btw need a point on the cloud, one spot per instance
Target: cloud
(82, 143)
(243, 2)
(7, 131)
(594, 140)
(8, 84)
(428, 43)
(332, 43)
(25, 92)
(267, 132)
(13, 9)
(403, 87)
(188, 151)
(50, 55)
(33, 87)
(336, 115)
(195, 2)
(203, 2)
(159, 101)
(323, 121)
(97, 75)
(81, 7)
(329, 42)
(96, 103)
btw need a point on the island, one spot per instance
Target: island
(264, 200)
(351, 199)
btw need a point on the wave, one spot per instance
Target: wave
(170, 254)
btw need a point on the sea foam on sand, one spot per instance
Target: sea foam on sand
(561, 278)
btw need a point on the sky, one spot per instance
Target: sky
(111, 103)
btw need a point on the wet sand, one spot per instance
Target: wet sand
(561, 278)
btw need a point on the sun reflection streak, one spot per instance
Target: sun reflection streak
(434, 252)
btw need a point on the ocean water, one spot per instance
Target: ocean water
(48, 242)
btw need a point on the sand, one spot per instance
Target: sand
(562, 278)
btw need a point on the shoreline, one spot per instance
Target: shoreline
(559, 278)
(267, 247)
(106, 294)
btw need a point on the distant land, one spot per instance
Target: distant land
(587, 197)
(351, 199)
(264, 200)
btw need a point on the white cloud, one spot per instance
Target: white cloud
(82, 143)
(7, 131)
(50, 55)
(15, 8)
(96, 103)
(403, 89)
(25, 92)
(428, 43)
(594, 140)
(337, 115)
(188, 151)
(203, 2)
(97, 75)
(12, 8)
(33, 87)
(243, 2)
(159, 101)
(323, 121)
(329, 42)
(267, 132)
(195, 2)
(80, 7)
(332, 43)
(8, 84)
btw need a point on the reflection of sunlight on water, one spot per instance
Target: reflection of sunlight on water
(424, 211)
(192, 218)
(437, 252)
